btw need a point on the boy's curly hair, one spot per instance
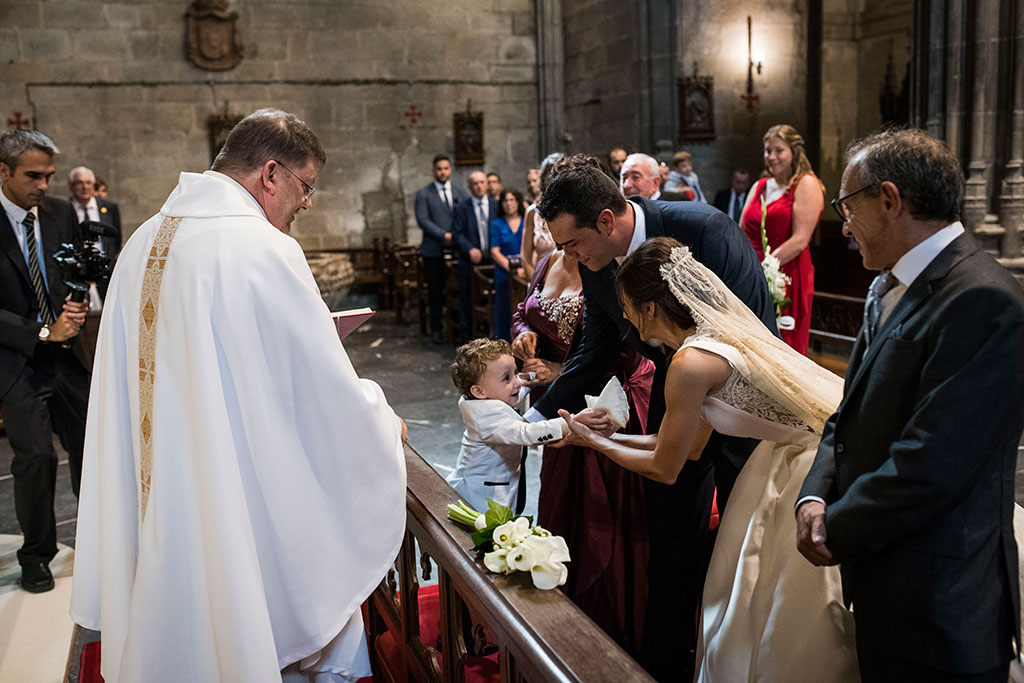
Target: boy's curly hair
(471, 360)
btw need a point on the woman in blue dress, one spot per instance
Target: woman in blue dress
(505, 244)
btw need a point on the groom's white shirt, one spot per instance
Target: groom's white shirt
(906, 270)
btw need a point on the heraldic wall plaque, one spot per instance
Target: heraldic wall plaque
(212, 38)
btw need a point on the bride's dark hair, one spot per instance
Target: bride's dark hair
(638, 280)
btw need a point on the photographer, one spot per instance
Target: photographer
(44, 372)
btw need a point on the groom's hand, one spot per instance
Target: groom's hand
(596, 420)
(811, 534)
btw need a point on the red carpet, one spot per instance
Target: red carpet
(392, 656)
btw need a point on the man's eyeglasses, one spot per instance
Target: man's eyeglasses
(308, 189)
(841, 209)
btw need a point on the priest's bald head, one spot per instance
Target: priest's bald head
(276, 157)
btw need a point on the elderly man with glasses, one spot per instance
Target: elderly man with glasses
(911, 491)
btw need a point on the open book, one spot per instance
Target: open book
(347, 321)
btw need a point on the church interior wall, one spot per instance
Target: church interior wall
(109, 82)
(712, 37)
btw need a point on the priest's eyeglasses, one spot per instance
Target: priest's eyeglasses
(840, 207)
(308, 189)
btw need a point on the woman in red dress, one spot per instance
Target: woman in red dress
(793, 199)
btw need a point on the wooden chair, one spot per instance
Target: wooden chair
(483, 301)
(406, 278)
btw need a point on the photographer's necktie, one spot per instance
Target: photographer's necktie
(45, 312)
(882, 283)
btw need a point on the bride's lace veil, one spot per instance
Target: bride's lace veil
(799, 384)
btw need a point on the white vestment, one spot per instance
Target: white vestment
(277, 497)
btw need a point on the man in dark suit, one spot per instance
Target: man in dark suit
(911, 491)
(730, 201)
(434, 207)
(471, 230)
(44, 387)
(89, 207)
(589, 218)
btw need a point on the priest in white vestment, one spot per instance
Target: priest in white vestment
(243, 490)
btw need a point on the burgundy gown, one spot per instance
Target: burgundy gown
(596, 505)
(778, 226)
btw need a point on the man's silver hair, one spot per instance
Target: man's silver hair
(14, 142)
(81, 170)
(640, 158)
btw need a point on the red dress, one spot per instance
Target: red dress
(778, 226)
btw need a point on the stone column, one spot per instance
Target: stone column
(984, 70)
(1011, 196)
(550, 76)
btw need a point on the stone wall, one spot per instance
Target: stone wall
(108, 81)
(602, 73)
(713, 37)
(620, 93)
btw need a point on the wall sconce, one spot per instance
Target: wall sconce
(750, 98)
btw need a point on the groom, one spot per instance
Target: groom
(912, 487)
(590, 219)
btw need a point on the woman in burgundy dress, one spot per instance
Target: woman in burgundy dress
(793, 199)
(596, 505)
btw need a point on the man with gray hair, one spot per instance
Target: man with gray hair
(911, 491)
(44, 369)
(243, 491)
(641, 177)
(89, 207)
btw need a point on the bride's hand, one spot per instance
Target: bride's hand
(579, 434)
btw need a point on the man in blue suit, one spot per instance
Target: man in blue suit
(471, 229)
(589, 218)
(434, 206)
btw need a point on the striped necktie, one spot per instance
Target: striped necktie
(882, 283)
(45, 311)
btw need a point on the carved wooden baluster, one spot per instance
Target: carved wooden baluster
(453, 645)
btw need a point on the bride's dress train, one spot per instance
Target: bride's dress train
(768, 614)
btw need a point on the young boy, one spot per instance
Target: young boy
(484, 372)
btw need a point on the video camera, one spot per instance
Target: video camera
(85, 261)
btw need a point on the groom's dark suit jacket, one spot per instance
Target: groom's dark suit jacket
(917, 467)
(679, 514)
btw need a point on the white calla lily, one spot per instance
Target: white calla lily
(548, 575)
(495, 561)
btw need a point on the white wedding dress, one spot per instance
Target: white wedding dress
(768, 613)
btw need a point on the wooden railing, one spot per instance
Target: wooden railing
(541, 635)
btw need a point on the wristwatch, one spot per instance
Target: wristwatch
(44, 333)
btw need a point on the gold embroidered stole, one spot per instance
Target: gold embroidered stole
(147, 346)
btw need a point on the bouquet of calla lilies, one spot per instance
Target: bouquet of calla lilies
(511, 543)
(777, 280)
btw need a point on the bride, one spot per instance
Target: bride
(768, 614)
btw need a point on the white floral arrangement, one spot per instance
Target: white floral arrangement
(777, 280)
(510, 543)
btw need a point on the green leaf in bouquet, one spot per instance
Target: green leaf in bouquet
(497, 514)
(785, 303)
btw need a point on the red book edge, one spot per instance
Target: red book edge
(347, 321)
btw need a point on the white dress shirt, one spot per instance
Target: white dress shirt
(445, 192)
(89, 212)
(483, 221)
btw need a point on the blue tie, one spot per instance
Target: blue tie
(881, 285)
